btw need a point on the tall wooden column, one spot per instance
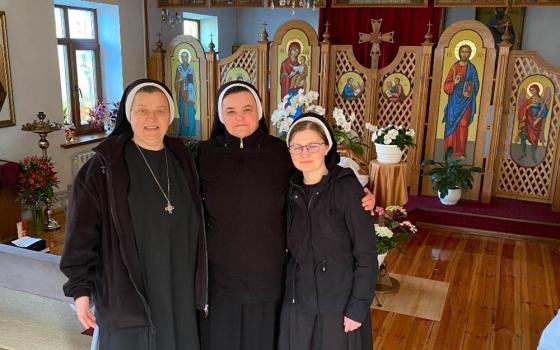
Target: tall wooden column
(324, 68)
(499, 92)
(156, 68)
(262, 71)
(421, 124)
(212, 82)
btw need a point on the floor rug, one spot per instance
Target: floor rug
(417, 297)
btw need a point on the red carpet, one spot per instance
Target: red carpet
(501, 215)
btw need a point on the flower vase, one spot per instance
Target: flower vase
(381, 258)
(37, 220)
(388, 154)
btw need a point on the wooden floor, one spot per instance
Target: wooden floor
(502, 291)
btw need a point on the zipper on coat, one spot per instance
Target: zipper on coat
(206, 306)
(113, 215)
(241, 143)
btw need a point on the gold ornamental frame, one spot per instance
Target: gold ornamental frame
(5, 77)
(485, 91)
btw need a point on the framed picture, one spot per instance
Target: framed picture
(236, 3)
(379, 3)
(496, 19)
(470, 3)
(528, 3)
(7, 113)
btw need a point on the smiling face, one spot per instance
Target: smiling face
(306, 161)
(239, 111)
(149, 119)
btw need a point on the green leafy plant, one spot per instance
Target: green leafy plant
(450, 174)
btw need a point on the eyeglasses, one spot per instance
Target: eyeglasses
(311, 148)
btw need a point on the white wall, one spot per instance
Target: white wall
(250, 21)
(35, 74)
(227, 26)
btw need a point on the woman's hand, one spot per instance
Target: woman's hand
(350, 325)
(86, 317)
(368, 201)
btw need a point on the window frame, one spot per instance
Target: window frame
(72, 45)
(197, 25)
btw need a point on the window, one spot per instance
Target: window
(191, 27)
(78, 58)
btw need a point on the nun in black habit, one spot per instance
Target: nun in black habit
(135, 243)
(244, 175)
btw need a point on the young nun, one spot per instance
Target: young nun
(332, 264)
(135, 240)
(244, 175)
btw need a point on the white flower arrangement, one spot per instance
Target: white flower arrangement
(283, 117)
(383, 231)
(392, 135)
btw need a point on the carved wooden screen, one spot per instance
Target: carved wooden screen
(242, 65)
(528, 153)
(460, 96)
(185, 74)
(399, 101)
(294, 42)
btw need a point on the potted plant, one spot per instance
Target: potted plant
(390, 142)
(450, 177)
(391, 229)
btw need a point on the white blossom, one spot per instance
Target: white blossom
(383, 231)
(410, 132)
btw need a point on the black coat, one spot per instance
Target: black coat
(333, 260)
(244, 192)
(100, 257)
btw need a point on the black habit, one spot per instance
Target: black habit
(244, 191)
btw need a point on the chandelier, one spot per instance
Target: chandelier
(169, 20)
(294, 3)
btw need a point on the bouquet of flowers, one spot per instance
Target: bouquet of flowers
(101, 115)
(392, 135)
(97, 114)
(36, 181)
(391, 229)
(290, 109)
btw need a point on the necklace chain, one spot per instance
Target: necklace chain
(168, 208)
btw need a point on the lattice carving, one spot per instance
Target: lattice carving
(356, 106)
(533, 183)
(248, 60)
(397, 113)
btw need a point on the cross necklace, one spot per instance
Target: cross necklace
(168, 208)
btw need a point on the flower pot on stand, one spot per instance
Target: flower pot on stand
(388, 154)
(453, 196)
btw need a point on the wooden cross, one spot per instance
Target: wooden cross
(375, 38)
(428, 38)
(264, 34)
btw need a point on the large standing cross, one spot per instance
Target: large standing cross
(375, 38)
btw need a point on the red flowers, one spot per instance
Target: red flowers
(36, 181)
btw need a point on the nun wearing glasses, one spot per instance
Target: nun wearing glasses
(244, 175)
(135, 243)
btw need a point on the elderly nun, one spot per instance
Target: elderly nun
(135, 243)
